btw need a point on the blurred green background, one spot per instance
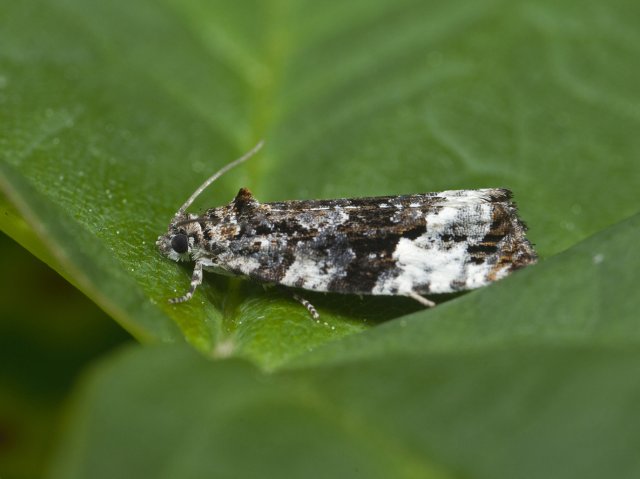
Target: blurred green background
(49, 332)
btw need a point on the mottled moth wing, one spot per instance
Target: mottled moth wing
(395, 245)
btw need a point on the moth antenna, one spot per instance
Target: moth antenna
(217, 175)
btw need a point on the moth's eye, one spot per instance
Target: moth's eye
(180, 243)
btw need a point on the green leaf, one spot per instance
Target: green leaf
(113, 112)
(526, 412)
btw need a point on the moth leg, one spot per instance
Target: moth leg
(196, 280)
(312, 311)
(421, 299)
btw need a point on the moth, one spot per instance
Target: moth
(410, 245)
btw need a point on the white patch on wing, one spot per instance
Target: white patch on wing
(464, 198)
(473, 196)
(339, 216)
(316, 274)
(429, 260)
(245, 264)
(335, 217)
(423, 265)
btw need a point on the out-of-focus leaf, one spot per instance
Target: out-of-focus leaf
(49, 331)
(528, 412)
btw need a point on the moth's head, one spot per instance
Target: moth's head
(178, 242)
(184, 234)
